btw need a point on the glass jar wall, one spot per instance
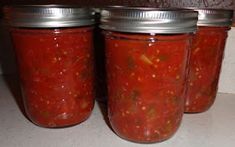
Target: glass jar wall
(206, 59)
(55, 60)
(146, 70)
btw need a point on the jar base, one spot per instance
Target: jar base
(145, 142)
(195, 112)
(61, 127)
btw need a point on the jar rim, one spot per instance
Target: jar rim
(148, 20)
(213, 16)
(48, 16)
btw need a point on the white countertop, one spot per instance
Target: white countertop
(214, 128)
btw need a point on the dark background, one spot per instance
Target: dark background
(161, 3)
(227, 4)
(158, 3)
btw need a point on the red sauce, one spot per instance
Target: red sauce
(205, 64)
(56, 72)
(146, 84)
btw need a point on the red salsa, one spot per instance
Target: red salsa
(205, 65)
(146, 84)
(56, 71)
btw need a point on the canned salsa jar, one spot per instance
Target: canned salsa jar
(206, 58)
(54, 48)
(147, 52)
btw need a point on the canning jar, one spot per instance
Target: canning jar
(206, 58)
(54, 46)
(147, 52)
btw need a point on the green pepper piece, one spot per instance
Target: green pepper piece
(130, 63)
(45, 113)
(151, 112)
(163, 57)
(134, 95)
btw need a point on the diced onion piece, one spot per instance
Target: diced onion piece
(146, 59)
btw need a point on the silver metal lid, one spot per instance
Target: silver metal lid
(48, 16)
(148, 20)
(214, 17)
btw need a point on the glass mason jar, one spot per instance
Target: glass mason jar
(206, 58)
(147, 52)
(54, 46)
